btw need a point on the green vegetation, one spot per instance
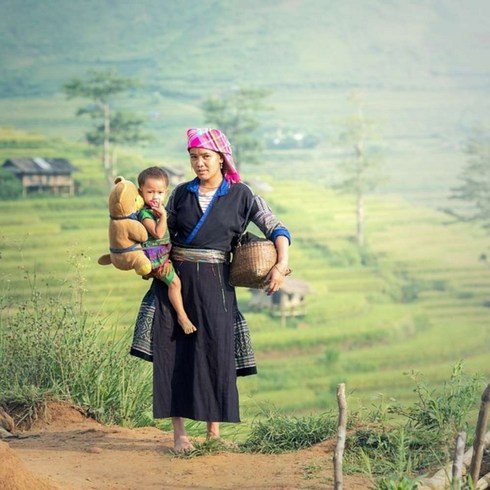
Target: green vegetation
(404, 483)
(275, 433)
(208, 446)
(413, 440)
(50, 348)
(415, 299)
(474, 187)
(394, 444)
(10, 186)
(361, 173)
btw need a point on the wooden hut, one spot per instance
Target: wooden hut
(175, 175)
(287, 302)
(43, 174)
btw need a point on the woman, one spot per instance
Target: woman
(195, 375)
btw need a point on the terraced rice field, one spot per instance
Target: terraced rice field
(418, 301)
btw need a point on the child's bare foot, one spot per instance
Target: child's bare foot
(187, 326)
(182, 444)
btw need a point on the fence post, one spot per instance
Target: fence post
(457, 470)
(341, 435)
(479, 444)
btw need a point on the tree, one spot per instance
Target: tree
(125, 128)
(474, 189)
(361, 172)
(10, 185)
(237, 115)
(111, 127)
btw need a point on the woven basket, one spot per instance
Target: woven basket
(251, 263)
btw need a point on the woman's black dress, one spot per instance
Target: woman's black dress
(195, 375)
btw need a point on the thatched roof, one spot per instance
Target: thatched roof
(39, 165)
(293, 285)
(172, 171)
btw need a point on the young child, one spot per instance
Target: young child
(153, 185)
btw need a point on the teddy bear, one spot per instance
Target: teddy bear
(126, 233)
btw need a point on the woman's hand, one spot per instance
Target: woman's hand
(275, 278)
(276, 275)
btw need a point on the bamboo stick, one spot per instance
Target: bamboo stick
(341, 436)
(479, 444)
(457, 472)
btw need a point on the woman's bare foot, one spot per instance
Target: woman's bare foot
(213, 430)
(187, 326)
(213, 435)
(182, 444)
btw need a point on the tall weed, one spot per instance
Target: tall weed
(418, 437)
(447, 408)
(51, 346)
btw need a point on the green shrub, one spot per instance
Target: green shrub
(331, 356)
(421, 436)
(447, 408)
(404, 483)
(51, 347)
(10, 186)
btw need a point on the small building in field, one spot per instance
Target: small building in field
(289, 301)
(176, 176)
(39, 174)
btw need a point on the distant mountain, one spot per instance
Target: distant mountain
(191, 45)
(421, 66)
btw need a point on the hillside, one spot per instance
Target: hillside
(421, 67)
(198, 45)
(417, 300)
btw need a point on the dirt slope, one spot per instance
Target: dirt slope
(73, 452)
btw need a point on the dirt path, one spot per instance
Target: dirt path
(71, 452)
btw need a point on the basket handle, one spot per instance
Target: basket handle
(239, 237)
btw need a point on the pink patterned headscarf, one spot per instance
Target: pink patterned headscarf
(215, 140)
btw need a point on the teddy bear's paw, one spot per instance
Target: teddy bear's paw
(104, 260)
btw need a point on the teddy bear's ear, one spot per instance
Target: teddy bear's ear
(118, 179)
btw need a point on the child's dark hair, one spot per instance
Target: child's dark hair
(152, 172)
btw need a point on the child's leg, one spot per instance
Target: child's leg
(175, 297)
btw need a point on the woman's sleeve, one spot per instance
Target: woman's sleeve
(267, 222)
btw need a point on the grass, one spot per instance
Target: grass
(274, 433)
(51, 348)
(414, 307)
(415, 300)
(411, 440)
